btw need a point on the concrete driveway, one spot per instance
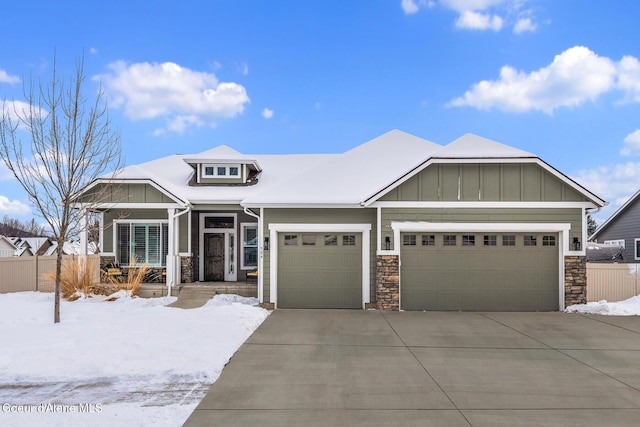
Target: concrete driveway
(372, 368)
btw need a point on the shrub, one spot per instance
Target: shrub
(76, 278)
(131, 283)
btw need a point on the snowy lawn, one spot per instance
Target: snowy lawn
(129, 362)
(629, 307)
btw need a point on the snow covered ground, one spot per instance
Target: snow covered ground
(629, 307)
(129, 362)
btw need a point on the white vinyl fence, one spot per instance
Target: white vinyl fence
(19, 274)
(612, 282)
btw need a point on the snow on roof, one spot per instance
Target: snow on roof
(352, 177)
(476, 147)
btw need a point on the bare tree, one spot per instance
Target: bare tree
(70, 144)
(17, 228)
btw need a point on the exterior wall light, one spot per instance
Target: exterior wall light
(266, 244)
(387, 242)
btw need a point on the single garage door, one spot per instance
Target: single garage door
(479, 271)
(319, 270)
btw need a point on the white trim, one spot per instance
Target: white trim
(227, 167)
(378, 229)
(635, 249)
(133, 221)
(561, 228)
(148, 181)
(301, 205)
(482, 205)
(621, 243)
(365, 229)
(137, 206)
(228, 276)
(261, 258)
(243, 225)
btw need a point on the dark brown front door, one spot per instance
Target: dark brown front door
(214, 257)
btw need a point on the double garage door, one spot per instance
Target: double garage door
(479, 271)
(319, 270)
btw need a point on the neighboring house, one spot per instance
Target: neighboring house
(7, 248)
(623, 229)
(23, 248)
(396, 223)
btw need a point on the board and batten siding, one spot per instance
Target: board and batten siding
(125, 193)
(497, 182)
(138, 215)
(572, 216)
(319, 216)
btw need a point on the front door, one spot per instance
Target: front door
(214, 257)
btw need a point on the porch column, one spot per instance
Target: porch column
(173, 272)
(84, 233)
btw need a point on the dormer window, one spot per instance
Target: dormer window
(221, 171)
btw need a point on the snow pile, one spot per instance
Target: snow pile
(629, 307)
(122, 355)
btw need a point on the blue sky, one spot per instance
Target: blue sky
(560, 79)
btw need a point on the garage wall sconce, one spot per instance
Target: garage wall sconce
(387, 243)
(266, 244)
(576, 244)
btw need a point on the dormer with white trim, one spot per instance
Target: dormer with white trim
(223, 166)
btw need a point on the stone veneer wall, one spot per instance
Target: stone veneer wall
(186, 265)
(575, 280)
(154, 275)
(387, 283)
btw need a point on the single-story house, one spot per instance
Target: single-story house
(622, 229)
(398, 222)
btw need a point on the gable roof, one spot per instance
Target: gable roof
(616, 214)
(472, 146)
(352, 177)
(356, 177)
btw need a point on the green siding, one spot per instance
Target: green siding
(125, 193)
(507, 182)
(320, 216)
(572, 216)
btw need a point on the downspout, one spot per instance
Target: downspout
(176, 249)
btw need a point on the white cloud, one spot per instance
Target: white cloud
(183, 97)
(524, 25)
(7, 78)
(16, 109)
(631, 144)
(267, 113)
(574, 77)
(614, 183)
(14, 207)
(243, 68)
(411, 7)
(481, 14)
(93, 51)
(629, 78)
(479, 21)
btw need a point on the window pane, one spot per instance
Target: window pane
(490, 240)
(219, 222)
(290, 240)
(348, 240)
(449, 240)
(165, 244)
(208, 171)
(468, 240)
(308, 240)
(153, 245)
(331, 240)
(548, 240)
(508, 240)
(139, 243)
(233, 171)
(428, 240)
(251, 257)
(251, 236)
(637, 249)
(222, 170)
(530, 240)
(409, 240)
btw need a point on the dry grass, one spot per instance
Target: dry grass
(135, 275)
(77, 278)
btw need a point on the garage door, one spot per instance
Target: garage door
(319, 270)
(477, 271)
